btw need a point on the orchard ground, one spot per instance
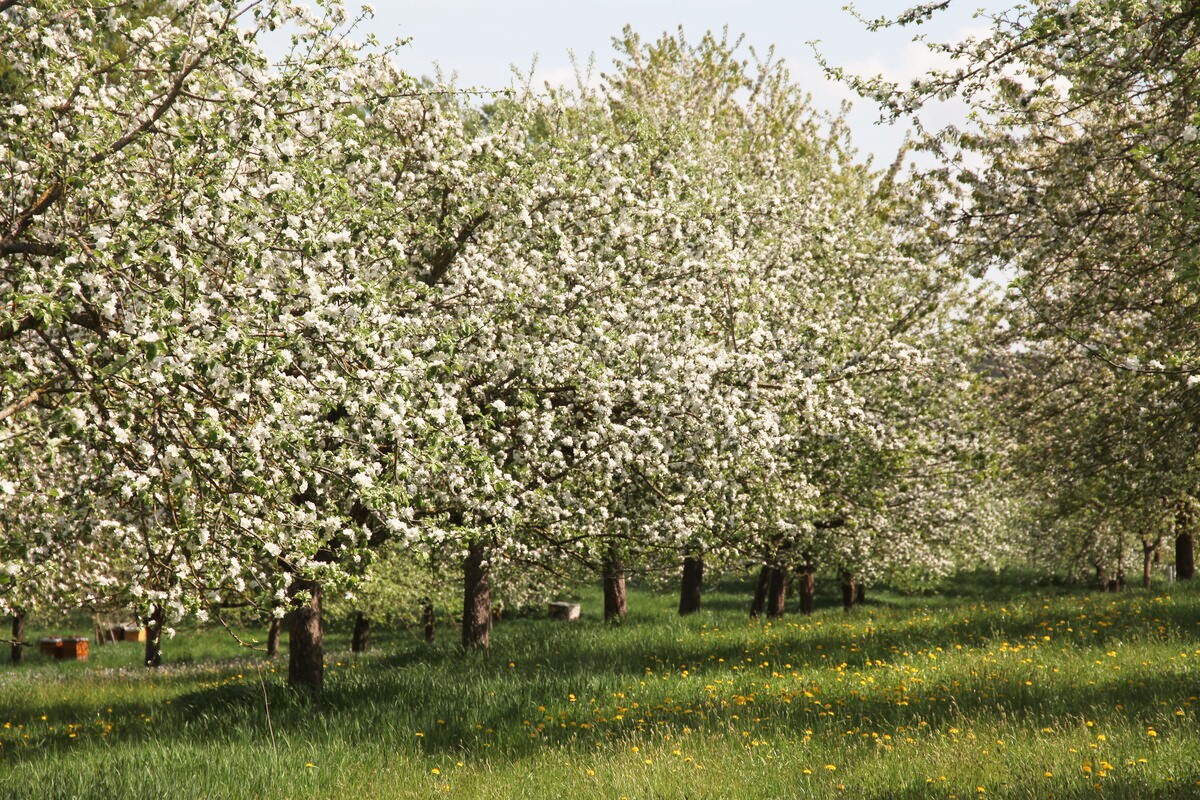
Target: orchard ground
(982, 690)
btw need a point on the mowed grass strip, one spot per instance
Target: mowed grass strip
(1036, 694)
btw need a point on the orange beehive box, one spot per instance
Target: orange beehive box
(74, 648)
(50, 645)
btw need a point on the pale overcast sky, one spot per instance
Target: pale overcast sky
(480, 41)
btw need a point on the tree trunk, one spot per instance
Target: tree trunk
(849, 591)
(154, 628)
(759, 603)
(776, 592)
(808, 589)
(18, 637)
(1147, 565)
(361, 640)
(1185, 557)
(860, 593)
(428, 619)
(616, 606)
(273, 629)
(477, 601)
(306, 652)
(689, 586)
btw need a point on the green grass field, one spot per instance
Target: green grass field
(1035, 693)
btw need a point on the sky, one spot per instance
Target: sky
(482, 41)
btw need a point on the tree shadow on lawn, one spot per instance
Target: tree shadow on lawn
(489, 702)
(488, 710)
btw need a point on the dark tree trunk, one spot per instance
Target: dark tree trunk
(273, 629)
(306, 651)
(860, 592)
(616, 605)
(477, 601)
(427, 619)
(154, 628)
(808, 589)
(18, 637)
(689, 585)
(759, 603)
(776, 592)
(849, 591)
(1147, 564)
(1185, 557)
(361, 640)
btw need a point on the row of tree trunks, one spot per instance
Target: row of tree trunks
(305, 651)
(690, 585)
(770, 592)
(18, 637)
(616, 602)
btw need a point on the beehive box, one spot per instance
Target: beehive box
(132, 633)
(564, 611)
(73, 648)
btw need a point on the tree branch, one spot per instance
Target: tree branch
(24, 402)
(8, 248)
(148, 122)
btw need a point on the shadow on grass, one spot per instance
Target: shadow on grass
(440, 700)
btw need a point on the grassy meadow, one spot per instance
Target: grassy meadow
(979, 691)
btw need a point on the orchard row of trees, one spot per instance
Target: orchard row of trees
(273, 333)
(1078, 173)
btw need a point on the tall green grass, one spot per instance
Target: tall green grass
(984, 691)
